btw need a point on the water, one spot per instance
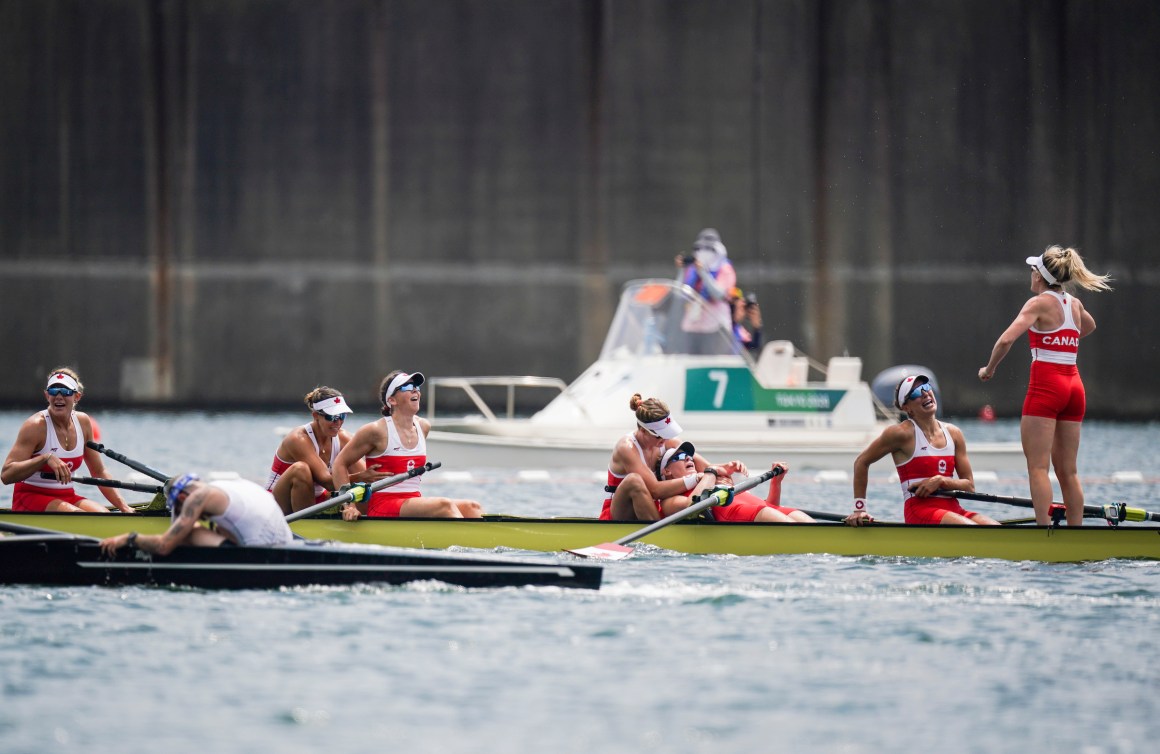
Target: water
(675, 653)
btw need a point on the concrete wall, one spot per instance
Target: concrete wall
(229, 202)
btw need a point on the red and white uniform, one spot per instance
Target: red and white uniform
(614, 481)
(397, 459)
(925, 462)
(36, 492)
(1055, 390)
(745, 507)
(279, 467)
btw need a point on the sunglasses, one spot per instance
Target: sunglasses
(918, 391)
(333, 419)
(682, 456)
(409, 387)
(66, 392)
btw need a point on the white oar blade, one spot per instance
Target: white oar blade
(606, 551)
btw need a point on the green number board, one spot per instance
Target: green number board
(734, 389)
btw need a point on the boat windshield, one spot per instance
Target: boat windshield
(654, 318)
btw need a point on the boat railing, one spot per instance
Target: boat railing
(510, 383)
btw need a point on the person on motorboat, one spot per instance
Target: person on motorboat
(1055, 403)
(50, 447)
(241, 511)
(709, 272)
(300, 474)
(746, 320)
(394, 444)
(633, 489)
(679, 462)
(930, 456)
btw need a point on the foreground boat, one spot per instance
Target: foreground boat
(730, 405)
(61, 559)
(1086, 543)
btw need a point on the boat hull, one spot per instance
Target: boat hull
(1086, 543)
(56, 559)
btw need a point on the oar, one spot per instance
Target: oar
(617, 550)
(99, 482)
(1112, 512)
(135, 465)
(363, 493)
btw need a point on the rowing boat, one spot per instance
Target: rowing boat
(63, 559)
(730, 404)
(1063, 544)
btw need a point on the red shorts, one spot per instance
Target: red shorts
(388, 504)
(1055, 391)
(930, 510)
(29, 497)
(745, 507)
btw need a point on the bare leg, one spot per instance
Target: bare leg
(294, 490)
(60, 506)
(1038, 434)
(632, 501)
(1063, 457)
(772, 515)
(469, 508)
(430, 507)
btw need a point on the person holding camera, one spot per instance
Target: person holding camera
(709, 272)
(746, 320)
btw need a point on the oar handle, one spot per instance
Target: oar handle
(709, 498)
(1089, 511)
(135, 465)
(347, 497)
(823, 516)
(99, 482)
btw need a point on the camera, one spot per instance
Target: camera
(689, 259)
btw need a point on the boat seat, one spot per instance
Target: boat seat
(778, 367)
(844, 371)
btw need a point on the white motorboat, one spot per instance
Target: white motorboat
(730, 405)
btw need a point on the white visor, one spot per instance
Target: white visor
(332, 406)
(666, 427)
(685, 447)
(415, 379)
(60, 378)
(907, 385)
(1037, 263)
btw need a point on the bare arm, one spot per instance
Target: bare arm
(366, 439)
(96, 466)
(1022, 322)
(893, 438)
(630, 461)
(21, 463)
(1087, 323)
(179, 531)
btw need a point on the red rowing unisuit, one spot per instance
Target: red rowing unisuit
(1055, 390)
(36, 492)
(396, 459)
(927, 461)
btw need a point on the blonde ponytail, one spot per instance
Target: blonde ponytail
(1067, 266)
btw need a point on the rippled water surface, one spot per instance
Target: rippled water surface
(675, 653)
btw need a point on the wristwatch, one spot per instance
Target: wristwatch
(131, 542)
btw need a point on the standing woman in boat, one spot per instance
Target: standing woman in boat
(930, 456)
(392, 445)
(50, 447)
(300, 474)
(633, 489)
(1055, 403)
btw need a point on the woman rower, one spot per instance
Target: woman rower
(300, 474)
(1055, 403)
(930, 456)
(634, 490)
(394, 444)
(50, 447)
(679, 462)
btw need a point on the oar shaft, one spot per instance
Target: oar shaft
(708, 500)
(99, 482)
(135, 465)
(1089, 511)
(375, 487)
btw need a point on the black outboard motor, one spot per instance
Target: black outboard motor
(886, 382)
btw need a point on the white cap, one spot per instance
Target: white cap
(685, 447)
(60, 378)
(332, 406)
(415, 379)
(908, 384)
(666, 427)
(1037, 263)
